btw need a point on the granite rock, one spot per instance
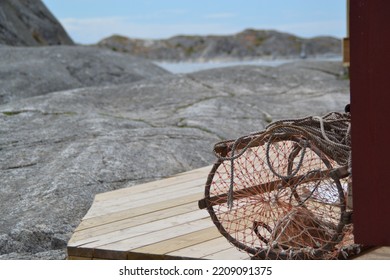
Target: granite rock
(60, 149)
(31, 71)
(30, 23)
(248, 44)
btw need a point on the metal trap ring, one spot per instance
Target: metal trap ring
(284, 207)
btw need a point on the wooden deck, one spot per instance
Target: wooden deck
(158, 220)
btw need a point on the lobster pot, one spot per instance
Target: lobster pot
(278, 196)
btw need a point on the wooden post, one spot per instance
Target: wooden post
(370, 110)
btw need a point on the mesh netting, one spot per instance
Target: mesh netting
(282, 193)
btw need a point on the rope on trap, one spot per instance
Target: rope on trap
(281, 193)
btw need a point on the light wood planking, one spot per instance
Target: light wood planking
(207, 248)
(142, 229)
(176, 179)
(153, 237)
(143, 200)
(147, 221)
(130, 221)
(231, 253)
(150, 195)
(377, 253)
(123, 214)
(158, 220)
(180, 242)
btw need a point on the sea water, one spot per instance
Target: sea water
(188, 67)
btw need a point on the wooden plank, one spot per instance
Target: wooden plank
(378, 253)
(109, 255)
(180, 242)
(143, 200)
(133, 212)
(203, 249)
(156, 236)
(370, 83)
(228, 254)
(181, 178)
(140, 230)
(78, 258)
(78, 252)
(142, 210)
(155, 221)
(131, 221)
(152, 256)
(137, 192)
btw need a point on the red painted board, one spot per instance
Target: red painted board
(370, 110)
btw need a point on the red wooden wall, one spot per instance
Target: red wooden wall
(370, 109)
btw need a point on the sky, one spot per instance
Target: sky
(89, 21)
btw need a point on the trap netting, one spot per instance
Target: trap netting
(282, 193)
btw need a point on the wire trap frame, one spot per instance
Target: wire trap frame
(282, 193)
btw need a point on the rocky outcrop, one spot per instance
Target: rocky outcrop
(27, 71)
(59, 149)
(30, 23)
(248, 44)
(77, 121)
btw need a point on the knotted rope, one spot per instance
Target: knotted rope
(329, 133)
